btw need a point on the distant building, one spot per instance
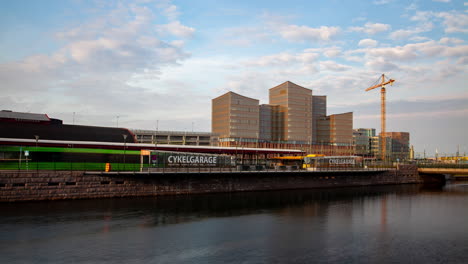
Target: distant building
(269, 125)
(362, 140)
(336, 129)
(400, 145)
(319, 110)
(175, 137)
(235, 117)
(294, 118)
(295, 112)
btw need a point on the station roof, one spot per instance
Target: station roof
(7, 114)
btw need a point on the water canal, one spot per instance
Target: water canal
(387, 224)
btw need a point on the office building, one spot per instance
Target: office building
(269, 125)
(294, 112)
(235, 117)
(319, 110)
(336, 129)
(294, 118)
(399, 147)
(362, 140)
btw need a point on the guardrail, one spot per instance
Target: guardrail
(443, 165)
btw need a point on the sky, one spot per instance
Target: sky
(146, 64)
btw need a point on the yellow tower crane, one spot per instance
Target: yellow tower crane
(383, 82)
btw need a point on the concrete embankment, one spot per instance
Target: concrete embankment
(53, 185)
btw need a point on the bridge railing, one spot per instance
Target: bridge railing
(443, 165)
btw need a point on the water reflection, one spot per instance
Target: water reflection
(354, 225)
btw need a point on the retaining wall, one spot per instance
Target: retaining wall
(50, 185)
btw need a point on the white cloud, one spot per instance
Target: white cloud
(454, 22)
(95, 64)
(297, 33)
(330, 52)
(371, 28)
(333, 66)
(283, 59)
(177, 29)
(367, 43)
(451, 41)
(441, 1)
(402, 34)
(424, 50)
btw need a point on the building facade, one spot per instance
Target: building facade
(319, 110)
(362, 140)
(269, 125)
(235, 117)
(294, 118)
(336, 129)
(294, 112)
(400, 145)
(175, 137)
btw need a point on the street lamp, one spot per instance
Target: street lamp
(37, 139)
(125, 146)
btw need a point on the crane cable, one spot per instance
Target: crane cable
(378, 81)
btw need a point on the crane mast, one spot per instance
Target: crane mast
(383, 138)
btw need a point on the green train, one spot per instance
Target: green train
(94, 159)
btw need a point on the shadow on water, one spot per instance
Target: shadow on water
(165, 210)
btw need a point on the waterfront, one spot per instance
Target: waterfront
(388, 224)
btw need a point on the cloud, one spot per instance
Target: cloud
(333, 66)
(451, 41)
(411, 52)
(453, 21)
(367, 43)
(297, 33)
(95, 64)
(329, 52)
(371, 28)
(175, 28)
(402, 34)
(283, 59)
(441, 1)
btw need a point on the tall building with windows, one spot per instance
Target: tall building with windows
(400, 147)
(319, 110)
(294, 112)
(362, 140)
(336, 129)
(294, 118)
(235, 117)
(268, 122)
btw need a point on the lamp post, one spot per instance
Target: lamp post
(125, 147)
(37, 139)
(256, 151)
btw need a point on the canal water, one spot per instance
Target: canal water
(390, 224)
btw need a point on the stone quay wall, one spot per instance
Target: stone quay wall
(55, 185)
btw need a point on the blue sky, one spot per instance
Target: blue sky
(162, 62)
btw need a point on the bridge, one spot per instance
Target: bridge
(454, 170)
